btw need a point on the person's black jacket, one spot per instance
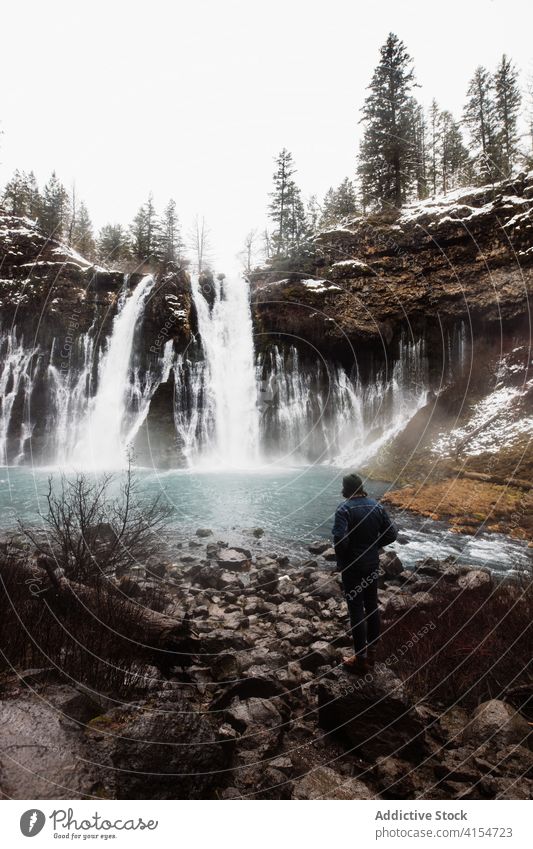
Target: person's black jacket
(362, 526)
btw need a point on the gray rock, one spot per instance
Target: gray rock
(475, 579)
(43, 752)
(169, 751)
(320, 653)
(371, 712)
(498, 723)
(234, 559)
(204, 532)
(390, 563)
(319, 547)
(325, 783)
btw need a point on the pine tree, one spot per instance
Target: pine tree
(279, 208)
(169, 242)
(14, 198)
(434, 144)
(339, 204)
(386, 163)
(34, 199)
(54, 214)
(314, 211)
(480, 119)
(419, 149)
(112, 243)
(529, 110)
(507, 100)
(82, 232)
(298, 230)
(454, 159)
(145, 232)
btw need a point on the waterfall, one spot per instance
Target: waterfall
(15, 389)
(317, 412)
(82, 404)
(230, 415)
(115, 413)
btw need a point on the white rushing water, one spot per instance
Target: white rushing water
(317, 412)
(234, 407)
(108, 426)
(229, 383)
(15, 385)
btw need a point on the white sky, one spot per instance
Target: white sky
(192, 99)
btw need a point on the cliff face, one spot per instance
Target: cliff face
(465, 257)
(56, 313)
(453, 274)
(47, 290)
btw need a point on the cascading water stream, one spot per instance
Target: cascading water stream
(107, 428)
(229, 382)
(233, 407)
(15, 383)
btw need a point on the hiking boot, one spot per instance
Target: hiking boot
(355, 664)
(371, 657)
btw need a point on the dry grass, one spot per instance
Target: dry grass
(85, 646)
(481, 645)
(467, 504)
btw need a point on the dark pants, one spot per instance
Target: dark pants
(361, 591)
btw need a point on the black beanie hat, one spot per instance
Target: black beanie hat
(351, 484)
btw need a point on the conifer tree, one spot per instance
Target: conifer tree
(145, 232)
(479, 117)
(34, 200)
(82, 232)
(314, 211)
(113, 243)
(339, 203)
(169, 242)
(454, 160)
(434, 143)
(386, 164)
(419, 149)
(14, 197)
(287, 209)
(507, 100)
(54, 214)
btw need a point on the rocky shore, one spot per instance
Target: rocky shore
(265, 710)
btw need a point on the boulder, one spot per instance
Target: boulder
(430, 567)
(43, 750)
(474, 579)
(320, 653)
(498, 723)
(234, 559)
(319, 547)
(204, 532)
(168, 751)
(371, 712)
(391, 564)
(330, 555)
(324, 783)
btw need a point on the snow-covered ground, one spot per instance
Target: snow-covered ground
(499, 419)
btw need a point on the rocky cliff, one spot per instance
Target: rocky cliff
(467, 256)
(56, 313)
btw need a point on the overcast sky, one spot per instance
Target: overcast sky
(192, 99)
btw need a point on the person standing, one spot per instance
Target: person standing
(362, 526)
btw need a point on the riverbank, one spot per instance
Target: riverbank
(470, 505)
(260, 706)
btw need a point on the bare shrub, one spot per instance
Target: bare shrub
(89, 534)
(480, 647)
